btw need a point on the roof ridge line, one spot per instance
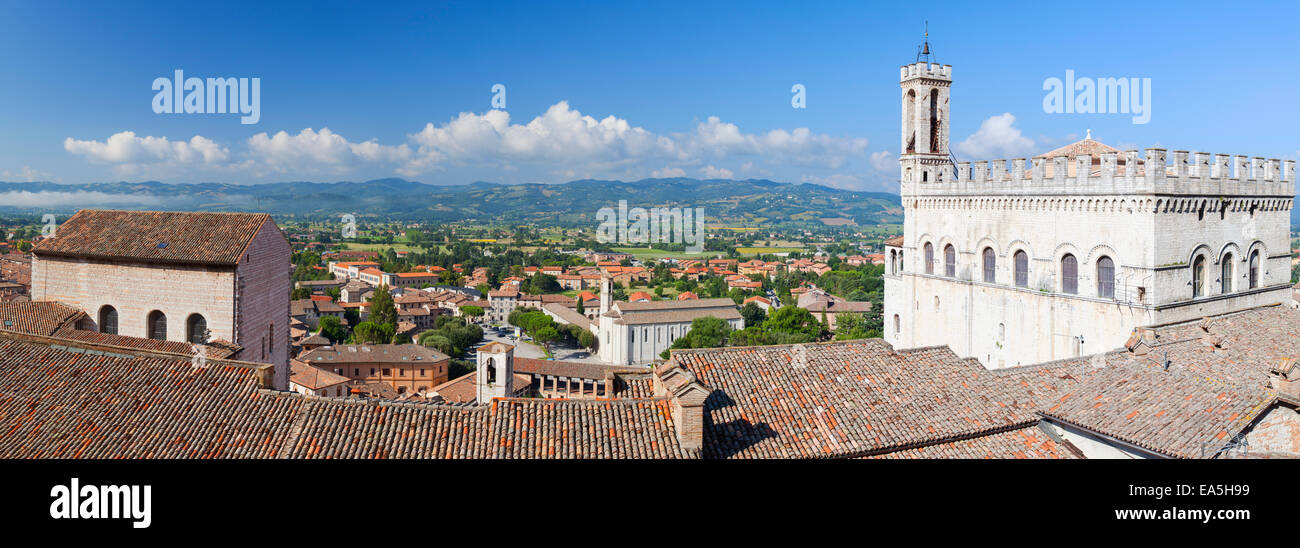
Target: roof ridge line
(49, 340)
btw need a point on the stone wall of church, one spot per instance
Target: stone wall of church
(264, 282)
(136, 290)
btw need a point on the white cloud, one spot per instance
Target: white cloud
(710, 172)
(565, 135)
(27, 175)
(884, 160)
(79, 198)
(717, 139)
(835, 180)
(561, 140)
(997, 138)
(125, 148)
(322, 150)
(560, 135)
(667, 172)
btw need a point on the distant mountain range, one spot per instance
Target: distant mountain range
(750, 201)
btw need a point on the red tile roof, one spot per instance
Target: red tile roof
(38, 318)
(155, 236)
(841, 399)
(312, 377)
(159, 406)
(1029, 442)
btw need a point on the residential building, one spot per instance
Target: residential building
(408, 368)
(314, 381)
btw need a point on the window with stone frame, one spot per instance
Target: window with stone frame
(157, 326)
(108, 320)
(1254, 269)
(1105, 278)
(1069, 275)
(990, 265)
(1226, 273)
(1021, 261)
(1198, 276)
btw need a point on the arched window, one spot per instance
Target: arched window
(910, 102)
(1225, 274)
(990, 265)
(108, 320)
(1069, 275)
(949, 261)
(491, 370)
(1022, 269)
(929, 258)
(157, 326)
(1254, 269)
(934, 120)
(1105, 278)
(196, 329)
(898, 325)
(1198, 276)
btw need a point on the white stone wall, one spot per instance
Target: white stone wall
(1152, 223)
(642, 344)
(1003, 326)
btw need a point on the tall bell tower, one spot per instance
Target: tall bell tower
(924, 156)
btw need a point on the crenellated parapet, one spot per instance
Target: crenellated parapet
(933, 71)
(1158, 171)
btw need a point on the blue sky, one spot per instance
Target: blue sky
(356, 91)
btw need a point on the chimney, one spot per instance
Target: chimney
(1141, 341)
(688, 397)
(1284, 377)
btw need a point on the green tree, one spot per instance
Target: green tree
(331, 328)
(706, 332)
(546, 336)
(373, 333)
(438, 341)
(588, 340)
(542, 283)
(753, 314)
(300, 293)
(472, 311)
(793, 320)
(852, 327)
(382, 308)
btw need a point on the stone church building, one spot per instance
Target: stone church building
(175, 276)
(636, 333)
(1027, 260)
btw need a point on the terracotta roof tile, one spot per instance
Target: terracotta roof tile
(162, 236)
